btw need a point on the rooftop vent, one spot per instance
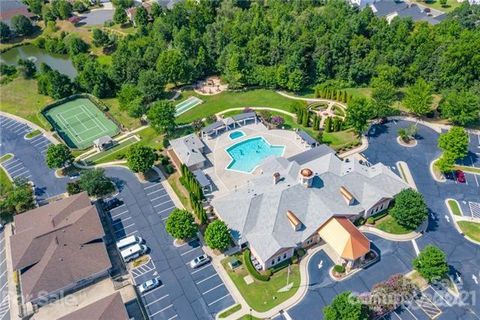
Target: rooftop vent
(347, 195)
(306, 177)
(276, 177)
(294, 221)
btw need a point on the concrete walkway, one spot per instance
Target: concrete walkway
(286, 95)
(389, 236)
(293, 115)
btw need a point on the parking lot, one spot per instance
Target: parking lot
(29, 158)
(4, 298)
(184, 293)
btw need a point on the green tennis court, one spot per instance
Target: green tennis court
(79, 122)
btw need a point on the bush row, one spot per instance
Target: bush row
(251, 268)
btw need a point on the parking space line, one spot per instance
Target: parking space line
(208, 265)
(156, 198)
(161, 298)
(203, 280)
(156, 184)
(17, 170)
(16, 165)
(448, 303)
(128, 226)
(210, 290)
(122, 220)
(154, 192)
(33, 140)
(18, 175)
(191, 250)
(118, 214)
(153, 290)
(157, 205)
(173, 317)
(219, 299)
(130, 233)
(170, 208)
(167, 307)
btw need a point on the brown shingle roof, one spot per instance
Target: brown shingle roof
(57, 245)
(108, 308)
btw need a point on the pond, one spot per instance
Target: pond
(59, 62)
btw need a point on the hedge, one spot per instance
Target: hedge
(251, 268)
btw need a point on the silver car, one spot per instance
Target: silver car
(199, 261)
(149, 285)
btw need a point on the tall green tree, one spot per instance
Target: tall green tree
(22, 25)
(162, 116)
(58, 156)
(383, 94)
(455, 142)
(217, 235)
(152, 85)
(409, 209)
(418, 97)
(120, 16)
(173, 67)
(181, 225)
(27, 68)
(140, 158)
(358, 112)
(141, 17)
(5, 31)
(345, 307)
(461, 107)
(431, 263)
(96, 183)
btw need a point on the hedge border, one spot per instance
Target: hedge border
(251, 268)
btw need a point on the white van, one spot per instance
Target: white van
(128, 241)
(133, 252)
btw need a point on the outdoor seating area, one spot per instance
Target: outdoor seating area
(210, 86)
(306, 139)
(229, 123)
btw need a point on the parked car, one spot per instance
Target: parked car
(149, 285)
(112, 204)
(460, 176)
(133, 252)
(199, 261)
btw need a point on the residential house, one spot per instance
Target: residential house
(11, 8)
(188, 150)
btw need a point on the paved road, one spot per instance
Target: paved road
(463, 256)
(29, 158)
(4, 298)
(185, 293)
(97, 17)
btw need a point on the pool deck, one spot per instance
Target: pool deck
(227, 180)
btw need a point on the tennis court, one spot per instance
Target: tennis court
(79, 122)
(186, 105)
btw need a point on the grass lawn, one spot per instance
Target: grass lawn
(33, 134)
(22, 92)
(263, 296)
(360, 92)
(230, 99)
(471, 229)
(248, 317)
(179, 190)
(6, 157)
(454, 207)
(121, 116)
(5, 183)
(116, 153)
(105, 60)
(230, 311)
(435, 4)
(389, 225)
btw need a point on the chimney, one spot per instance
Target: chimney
(306, 177)
(294, 221)
(276, 178)
(349, 198)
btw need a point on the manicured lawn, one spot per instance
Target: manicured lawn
(229, 99)
(5, 183)
(249, 317)
(435, 4)
(121, 116)
(471, 229)
(106, 60)
(262, 296)
(454, 207)
(116, 153)
(388, 224)
(230, 311)
(360, 92)
(22, 92)
(6, 157)
(33, 134)
(179, 190)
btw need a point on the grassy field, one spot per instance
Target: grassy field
(6, 157)
(20, 97)
(471, 229)
(229, 99)
(179, 190)
(5, 183)
(262, 296)
(116, 153)
(454, 207)
(389, 225)
(121, 116)
(33, 134)
(230, 311)
(435, 4)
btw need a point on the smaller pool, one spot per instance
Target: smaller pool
(236, 134)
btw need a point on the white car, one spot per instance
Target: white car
(199, 261)
(149, 285)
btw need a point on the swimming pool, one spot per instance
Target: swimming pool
(236, 134)
(248, 154)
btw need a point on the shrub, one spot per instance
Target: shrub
(73, 188)
(339, 268)
(371, 220)
(251, 268)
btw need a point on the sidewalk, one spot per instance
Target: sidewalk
(12, 290)
(388, 236)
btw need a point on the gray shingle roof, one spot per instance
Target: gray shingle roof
(244, 115)
(188, 149)
(109, 308)
(257, 212)
(201, 178)
(307, 138)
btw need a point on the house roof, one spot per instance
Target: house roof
(306, 137)
(257, 213)
(188, 149)
(102, 140)
(201, 178)
(244, 115)
(11, 8)
(402, 9)
(57, 245)
(108, 308)
(347, 241)
(214, 126)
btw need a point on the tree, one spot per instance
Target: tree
(173, 66)
(162, 116)
(48, 14)
(386, 296)
(18, 199)
(58, 156)
(141, 17)
(35, 6)
(127, 94)
(446, 162)
(73, 188)
(383, 94)
(76, 45)
(96, 183)
(62, 9)
(151, 84)
(22, 25)
(140, 158)
(27, 68)
(120, 16)
(79, 6)
(53, 83)
(455, 142)
(461, 107)
(409, 209)
(431, 263)
(345, 306)
(217, 235)
(358, 112)
(181, 225)
(443, 3)
(418, 97)
(5, 31)
(100, 38)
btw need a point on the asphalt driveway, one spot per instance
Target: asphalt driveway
(185, 293)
